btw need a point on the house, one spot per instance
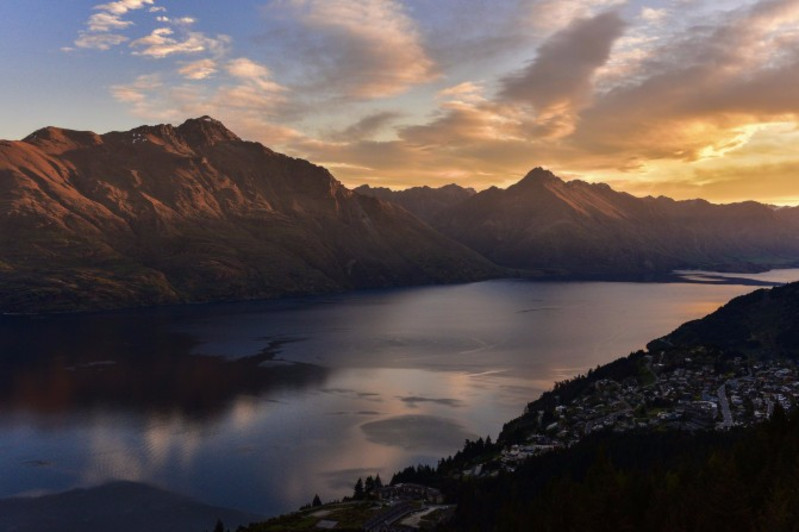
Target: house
(410, 492)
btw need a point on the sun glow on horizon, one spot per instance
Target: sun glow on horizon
(649, 96)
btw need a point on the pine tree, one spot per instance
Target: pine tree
(357, 493)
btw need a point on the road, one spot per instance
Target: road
(724, 405)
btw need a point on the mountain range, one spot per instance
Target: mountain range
(425, 202)
(164, 214)
(576, 228)
(190, 213)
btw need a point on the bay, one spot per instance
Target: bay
(260, 405)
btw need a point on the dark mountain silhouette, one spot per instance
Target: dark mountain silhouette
(164, 214)
(578, 228)
(121, 506)
(425, 202)
(764, 323)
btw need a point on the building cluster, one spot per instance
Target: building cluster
(689, 393)
(410, 492)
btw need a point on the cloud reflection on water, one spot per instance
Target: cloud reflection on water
(416, 432)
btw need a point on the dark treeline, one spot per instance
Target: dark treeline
(445, 476)
(740, 480)
(365, 490)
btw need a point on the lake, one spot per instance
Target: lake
(259, 406)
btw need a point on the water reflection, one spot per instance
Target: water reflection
(132, 363)
(258, 406)
(414, 432)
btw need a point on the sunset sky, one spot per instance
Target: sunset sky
(685, 98)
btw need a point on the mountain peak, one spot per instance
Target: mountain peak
(59, 140)
(167, 214)
(205, 130)
(539, 176)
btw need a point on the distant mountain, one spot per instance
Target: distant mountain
(164, 214)
(424, 202)
(121, 506)
(578, 228)
(764, 323)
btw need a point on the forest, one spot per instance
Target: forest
(744, 479)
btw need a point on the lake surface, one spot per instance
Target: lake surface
(258, 406)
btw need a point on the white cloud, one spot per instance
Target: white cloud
(180, 21)
(198, 70)
(162, 43)
(247, 69)
(467, 91)
(254, 90)
(254, 73)
(99, 41)
(137, 92)
(245, 93)
(98, 35)
(101, 22)
(650, 14)
(121, 7)
(246, 97)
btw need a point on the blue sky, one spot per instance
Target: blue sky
(679, 97)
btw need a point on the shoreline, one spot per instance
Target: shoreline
(711, 277)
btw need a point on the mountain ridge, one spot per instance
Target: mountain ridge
(164, 214)
(575, 228)
(424, 202)
(173, 214)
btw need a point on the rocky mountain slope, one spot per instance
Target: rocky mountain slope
(164, 214)
(425, 202)
(577, 228)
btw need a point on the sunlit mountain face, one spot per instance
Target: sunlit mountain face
(654, 97)
(164, 214)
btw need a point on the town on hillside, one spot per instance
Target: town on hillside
(692, 391)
